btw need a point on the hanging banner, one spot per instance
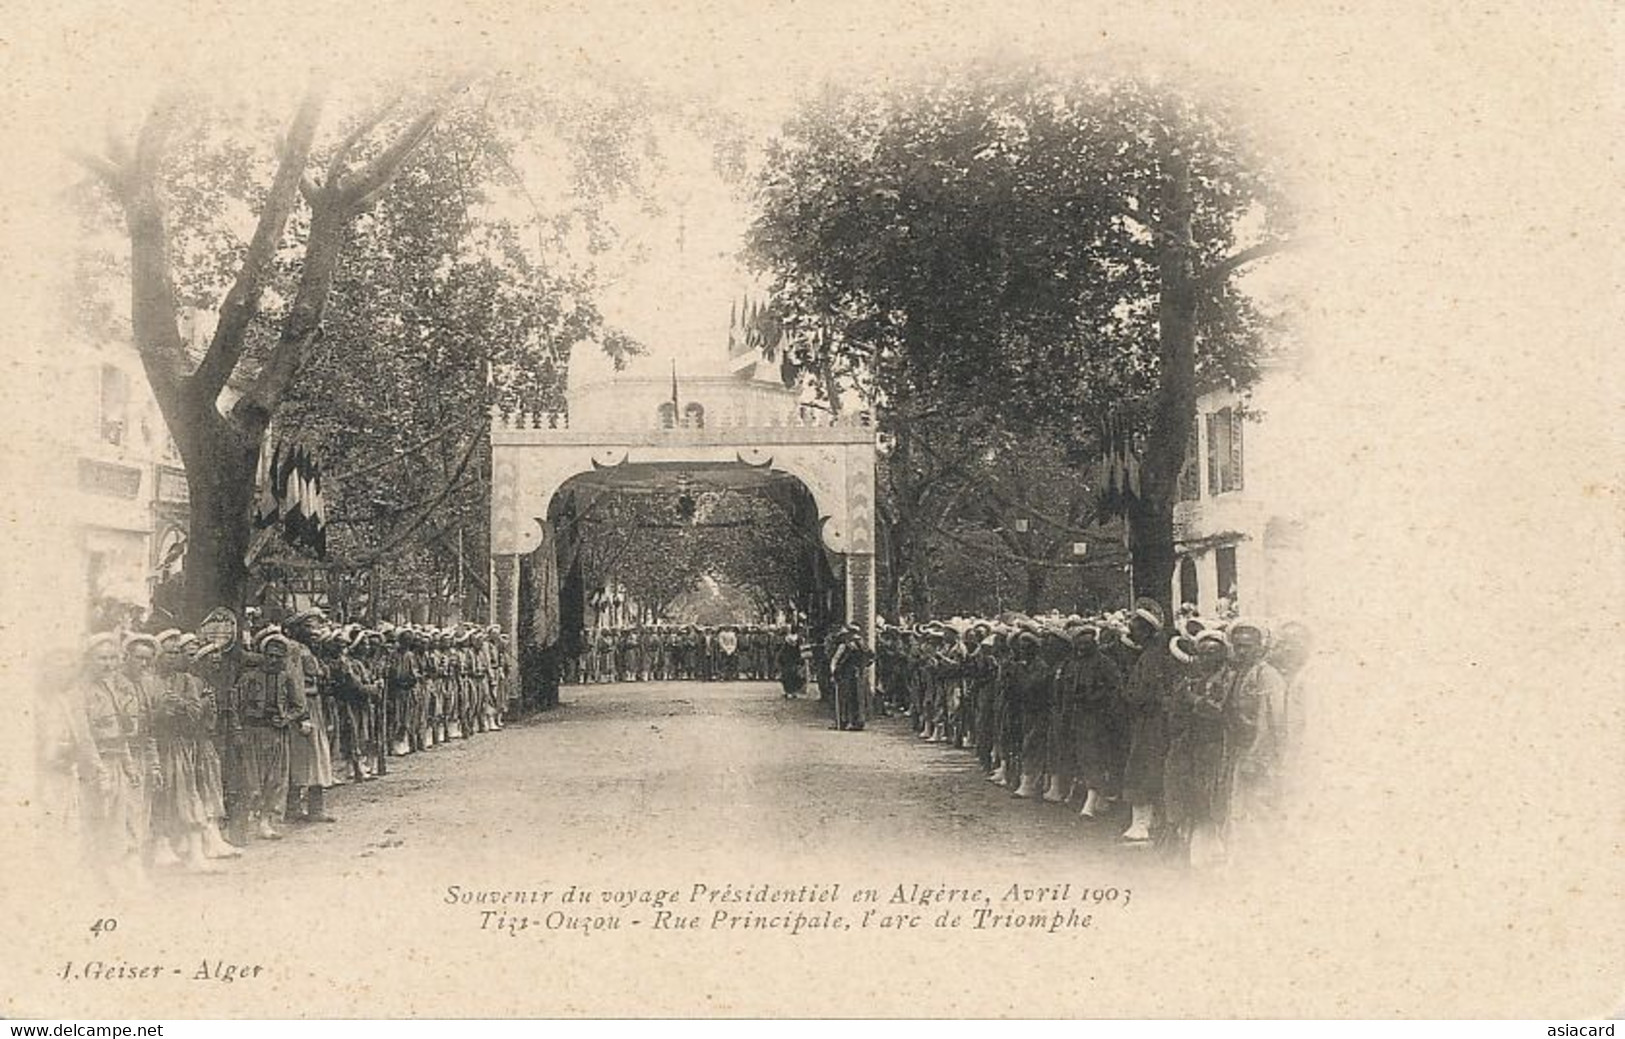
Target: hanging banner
(290, 496)
(544, 589)
(1118, 469)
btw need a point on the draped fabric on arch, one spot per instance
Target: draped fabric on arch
(542, 567)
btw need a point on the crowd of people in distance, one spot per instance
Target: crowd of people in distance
(1195, 725)
(687, 652)
(173, 748)
(783, 653)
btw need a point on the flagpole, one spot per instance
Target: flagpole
(676, 410)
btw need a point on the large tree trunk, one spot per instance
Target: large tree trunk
(221, 455)
(888, 593)
(909, 553)
(1151, 519)
(1033, 595)
(917, 587)
(1151, 548)
(220, 467)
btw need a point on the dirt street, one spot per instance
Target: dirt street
(728, 772)
(623, 805)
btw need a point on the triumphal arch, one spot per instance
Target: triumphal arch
(733, 418)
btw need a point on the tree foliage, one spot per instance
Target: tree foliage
(404, 272)
(660, 546)
(1022, 251)
(451, 305)
(173, 185)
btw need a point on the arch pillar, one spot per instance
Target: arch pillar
(860, 610)
(504, 602)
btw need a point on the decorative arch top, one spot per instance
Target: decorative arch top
(836, 464)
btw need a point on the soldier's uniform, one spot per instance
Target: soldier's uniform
(1021, 677)
(847, 662)
(1195, 747)
(1037, 695)
(1142, 696)
(918, 694)
(612, 654)
(496, 669)
(140, 656)
(114, 716)
(633, 648)
(728, 654)
(346, 682)
(181, 719)
(463, 680)
(951, 668)
(983, 673)
(1094, 691)
(603, 656)
(310, 753)
(446, 724)
(208, 663)
(708, 655)
(273, 706)
(480, 680)
(405, 698)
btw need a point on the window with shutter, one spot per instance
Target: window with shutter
(1224, 451)
(1235, 450)
(1190, 473)
(1214, 450)
(1189, 590)
(1224, 560)
(115, 404)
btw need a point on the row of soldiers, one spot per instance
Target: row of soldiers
(173, 747)
(670, 652)
(1193, 724)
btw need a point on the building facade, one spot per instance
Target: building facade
(126, 499)
(1235, 532)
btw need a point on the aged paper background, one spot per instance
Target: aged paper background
(1459, 163)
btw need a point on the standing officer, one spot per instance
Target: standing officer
(846, 663)
(1143, 693)
(310, 754)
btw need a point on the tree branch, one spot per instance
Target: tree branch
(153, 315)
(332, 209)
(400, 537)
(454, 480)
(341, 151)
(242, 303)
(358, 189)
(992, 487)
(106, 170)
(470, 573)
(400, 456)
(1229, 265)
(361, 187)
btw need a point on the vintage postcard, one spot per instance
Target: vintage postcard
(831, 510)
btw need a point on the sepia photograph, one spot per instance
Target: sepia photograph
(907, 511)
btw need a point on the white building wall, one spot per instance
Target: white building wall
(1259, 521)
(124, 483)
